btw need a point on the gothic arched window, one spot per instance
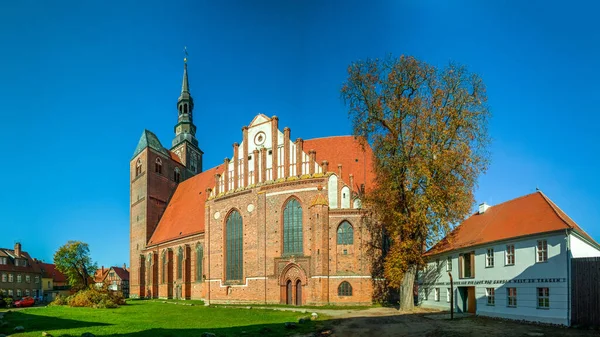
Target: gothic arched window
(138, 167)
(345, 234)
(234, 247)
(180, 264)
(345, 289)
(158, 166)
(292, 227)
(164, 266)
(199, 258)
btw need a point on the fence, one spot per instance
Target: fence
(585, 291)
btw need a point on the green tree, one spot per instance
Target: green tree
(73, 259)
(428, 131)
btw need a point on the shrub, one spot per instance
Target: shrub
(92, 298)
(8, 301)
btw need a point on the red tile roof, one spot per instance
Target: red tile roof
(345, 150)
(527, 215)
(184, 215)
(49, 271)
(121, 273)
(100, 274)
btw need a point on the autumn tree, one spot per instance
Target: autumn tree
(73, 259)
(428, 131)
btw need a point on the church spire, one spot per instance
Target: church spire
(185, 128)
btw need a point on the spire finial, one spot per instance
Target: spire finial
(185, 53)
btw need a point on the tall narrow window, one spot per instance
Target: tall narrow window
(138, 167)
(180, 264)
(449, 263)
(234, 247)
(176, 175)
(489, 257)
(542, 251)
(448, 291)
(490, 293)
(292, 228)
(512, 297)
(164, 267)
(344, 289)
(543, 298)
(199, 259)
(345, 234)
(437, 294)
(510, 255)
(158, 166)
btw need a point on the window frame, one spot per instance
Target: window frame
(293, 231)
(138, 167)
(448, 291)
(437, 294)
(489, 258)
(345, 289)
(234, 247)
(509, 253)
(180, 263)
(158, 165)
(449, 263)
(490, 294)
(345, 233)
(199, 263)
(511, 293)
(543, 251)
(543, 297)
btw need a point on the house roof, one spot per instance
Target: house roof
(100, 274)
(121, 273)
(32, 265)
(531, 214)
(49, 271)
(345, 150)
(184, 214)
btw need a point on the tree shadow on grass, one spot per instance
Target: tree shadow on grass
(41, 323)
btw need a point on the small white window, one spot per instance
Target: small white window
(510, 255)
(489, 258)
(27, 278)
(543, 298)
(448, 295)
(542, 251)
(490, 294)
(11, 278)
(449, 263)
(437, 294)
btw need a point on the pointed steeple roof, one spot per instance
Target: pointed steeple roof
(149, 139)
(185, 86)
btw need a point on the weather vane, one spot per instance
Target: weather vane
(185, 54)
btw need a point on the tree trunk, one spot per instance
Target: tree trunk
(407, 301)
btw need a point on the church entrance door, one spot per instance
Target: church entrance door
(298, 292)
(288, 299)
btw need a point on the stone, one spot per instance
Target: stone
(290, 325)
(248, 307)
(46, 334)
(19, 328)
(87, 334)
(208, 334)
(314, 316)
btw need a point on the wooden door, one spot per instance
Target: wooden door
(288, 291)
(298, 293)
(471, 300)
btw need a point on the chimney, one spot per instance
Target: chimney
(102, 269)
(483, 207)
(124, 266)
(18, 249)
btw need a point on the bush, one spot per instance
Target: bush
(92, 298)
(8, 301)
(2, 303)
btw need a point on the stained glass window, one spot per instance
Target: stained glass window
(292, 228)
(345, 234)
(234, 247)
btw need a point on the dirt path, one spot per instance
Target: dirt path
(384, 322)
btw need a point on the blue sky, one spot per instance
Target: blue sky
(79, 81)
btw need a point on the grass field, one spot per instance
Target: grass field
(148, 318)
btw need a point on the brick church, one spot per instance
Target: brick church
(279, 222)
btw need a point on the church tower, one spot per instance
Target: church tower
(185, 144)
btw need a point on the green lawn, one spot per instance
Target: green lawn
(149, 318)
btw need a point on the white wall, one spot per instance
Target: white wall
(526, 275)
(580, 248)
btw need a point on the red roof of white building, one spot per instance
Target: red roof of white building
(531, 214)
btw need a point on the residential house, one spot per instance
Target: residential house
(53, 282)
(116, 278)
(20, 275)
(511, 260)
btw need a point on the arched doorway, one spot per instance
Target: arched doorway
(298, 292)
(289, 292)
(292, 279)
